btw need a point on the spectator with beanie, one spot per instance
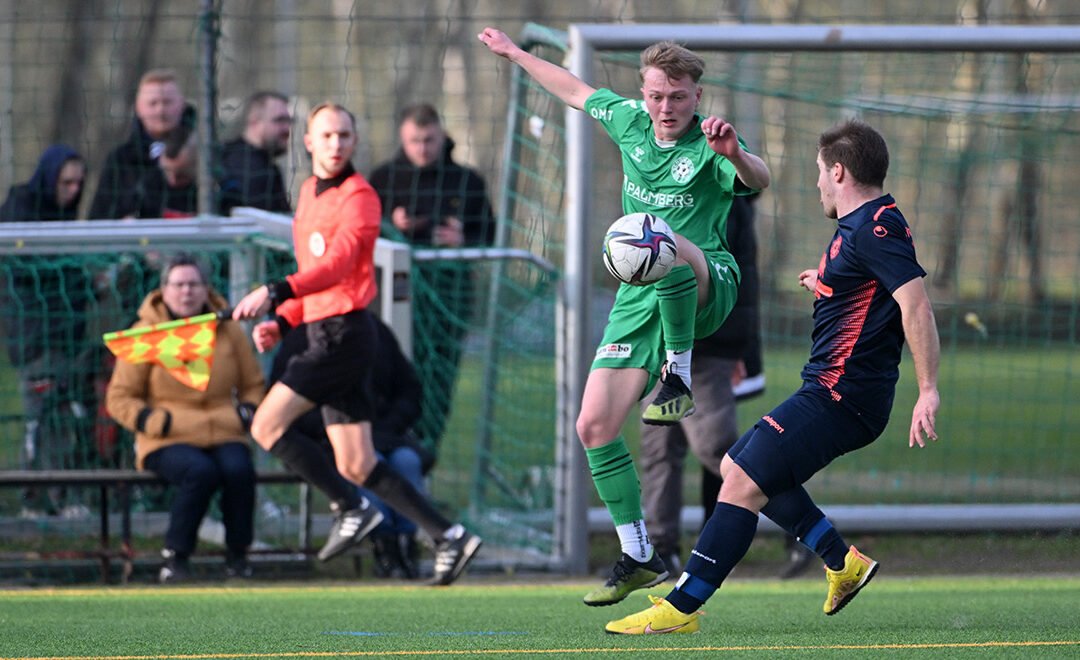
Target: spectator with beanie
(44, 301)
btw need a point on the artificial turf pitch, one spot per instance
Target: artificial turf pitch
(1007, 617)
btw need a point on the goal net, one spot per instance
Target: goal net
(981, 126)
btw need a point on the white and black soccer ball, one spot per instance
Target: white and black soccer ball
(639, 249)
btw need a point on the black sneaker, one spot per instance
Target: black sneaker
(452, 555)
(175, 569)
(237, 567)
(410, 556)
(349, 528)
(800, 558)
(673, 564)
(386, 555)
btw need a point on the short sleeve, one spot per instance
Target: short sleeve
(615, 113)
(886, 250)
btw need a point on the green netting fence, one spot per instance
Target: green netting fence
(984, 158)
(983, 164)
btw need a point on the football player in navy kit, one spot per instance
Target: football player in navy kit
(869, 298)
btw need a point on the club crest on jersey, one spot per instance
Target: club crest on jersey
(317, 244)
(834, 249)
(682, 169)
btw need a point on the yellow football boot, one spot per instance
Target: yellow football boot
(662, 617)
(843, 585)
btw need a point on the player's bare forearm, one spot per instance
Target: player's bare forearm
(751, 169)
(570, 89)
(920, 332)
(724, 140)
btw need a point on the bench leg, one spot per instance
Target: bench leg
(105, 567)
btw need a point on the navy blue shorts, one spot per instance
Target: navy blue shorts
(334, 370)
(800, 437)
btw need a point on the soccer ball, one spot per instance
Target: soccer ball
(639, 249)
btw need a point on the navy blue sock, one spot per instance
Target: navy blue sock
(724, 540)
(797, 514)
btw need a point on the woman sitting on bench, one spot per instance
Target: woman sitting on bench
(197, 441)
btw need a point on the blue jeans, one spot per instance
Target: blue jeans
(197, 473)
(407, 462)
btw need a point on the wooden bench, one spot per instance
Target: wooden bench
(107, 480)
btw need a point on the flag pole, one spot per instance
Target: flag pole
(220, 315)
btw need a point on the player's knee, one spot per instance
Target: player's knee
(593, 430)
(265, 431)
(725, 466)
(355, 468)
(739, 489)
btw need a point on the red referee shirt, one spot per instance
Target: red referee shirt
(334, 234)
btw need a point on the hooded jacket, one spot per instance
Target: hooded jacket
(441, 189)
(35, 200)
(161, 411)
(43, 298)
(123, 168)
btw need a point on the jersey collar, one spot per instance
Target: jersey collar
(322, 185)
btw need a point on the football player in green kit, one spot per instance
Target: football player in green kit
(684, 168)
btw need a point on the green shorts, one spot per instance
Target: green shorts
(634, 338)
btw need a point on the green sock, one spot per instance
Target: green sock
(678, 307)
(616, 480)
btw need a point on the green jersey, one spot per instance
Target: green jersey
(688, 185)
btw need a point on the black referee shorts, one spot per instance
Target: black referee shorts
(335, 370)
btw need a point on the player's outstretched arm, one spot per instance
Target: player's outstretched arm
(723, 139)
(920, 331)
(552, 77)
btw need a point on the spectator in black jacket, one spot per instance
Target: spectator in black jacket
(43, 301)
(249, 176)
(429, 200)
(159, 110)
(170, 189)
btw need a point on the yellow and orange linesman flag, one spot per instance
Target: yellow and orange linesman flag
(184, 347)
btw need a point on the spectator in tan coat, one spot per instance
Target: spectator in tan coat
(195, 440)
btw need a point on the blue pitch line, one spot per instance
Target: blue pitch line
(380, 634)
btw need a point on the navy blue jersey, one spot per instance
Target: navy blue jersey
(858, 330)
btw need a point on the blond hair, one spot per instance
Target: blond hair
(674, 60)
(330, 105)
(158, 77)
